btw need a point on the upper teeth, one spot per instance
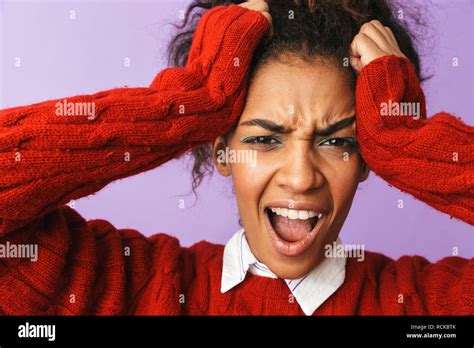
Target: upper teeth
(296, 214)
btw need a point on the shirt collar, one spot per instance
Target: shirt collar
(310, 291)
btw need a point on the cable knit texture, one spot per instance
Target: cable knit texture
(90, 267)
(431, 159)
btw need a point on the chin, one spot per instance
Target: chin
(295, 267)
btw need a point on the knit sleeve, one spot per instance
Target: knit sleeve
(61, 150)
(70, 266)
(432, 159)
(445, 287)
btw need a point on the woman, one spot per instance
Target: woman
(241, 89)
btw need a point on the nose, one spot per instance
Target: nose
(299, 172)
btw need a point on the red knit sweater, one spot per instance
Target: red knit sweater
(90, 267)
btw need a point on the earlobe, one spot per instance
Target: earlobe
(219, 156)
(364, 171)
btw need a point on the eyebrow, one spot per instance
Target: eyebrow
(277, 128)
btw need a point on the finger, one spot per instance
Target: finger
(252, 2)
(373, 33)
(360, 43)
(392, 36)
(259, 6)
(394, 39)
(382, 30)
(262, 7)
(391, 40)
(268, 16)
(247, 3)
(364, 44)
(356, 63)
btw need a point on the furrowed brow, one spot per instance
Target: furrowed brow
(266, 124)
(277, 128)
(333, 128)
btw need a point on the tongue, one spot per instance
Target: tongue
(291, 230)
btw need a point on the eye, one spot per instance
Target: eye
(262, 140)
(339, 142)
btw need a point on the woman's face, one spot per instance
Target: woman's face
(295, 184)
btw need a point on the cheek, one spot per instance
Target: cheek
(342, 180)
(250, 176)
(250, 181)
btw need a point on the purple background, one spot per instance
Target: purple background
(61, 57)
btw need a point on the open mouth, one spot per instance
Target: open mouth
(292, 231)
(292, 225)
